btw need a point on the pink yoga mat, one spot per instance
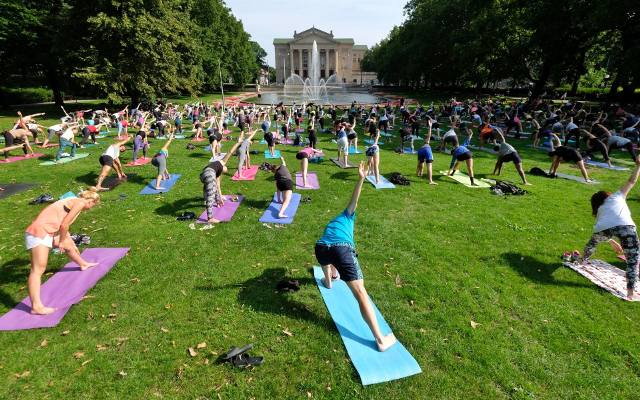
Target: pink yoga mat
(226, 131)
(247, 174)
(312, 180)
(224, 213)
(64, 289)
(139, 162)
(20, 158)
(49, 145)
(198, 140)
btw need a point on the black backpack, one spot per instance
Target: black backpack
(538, 172)
(502, 188)
(398, 179)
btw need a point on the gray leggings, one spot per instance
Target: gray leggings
(160, 161)
(210, 190)
(628, 240)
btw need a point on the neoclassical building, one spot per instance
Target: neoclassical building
(338, 56)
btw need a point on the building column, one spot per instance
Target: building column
(300, 63)
(290, 61)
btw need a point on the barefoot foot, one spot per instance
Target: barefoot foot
(282, 216)
(386, 342)
(87, 266)
(324, 282)
(42, 310)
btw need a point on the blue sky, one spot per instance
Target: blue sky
(366, 21)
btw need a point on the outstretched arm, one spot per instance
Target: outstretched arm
(166, 146)
(231, 152)
(626, 188)
(427, 140)
(353, 204)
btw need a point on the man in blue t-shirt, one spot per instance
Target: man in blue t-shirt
(336, 253)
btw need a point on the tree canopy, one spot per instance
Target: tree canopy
(465, 43)
(125, 48)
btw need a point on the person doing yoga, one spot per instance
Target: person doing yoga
(336, 253)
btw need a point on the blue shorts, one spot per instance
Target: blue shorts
(425, 154)
(343, 257)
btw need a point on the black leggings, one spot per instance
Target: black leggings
(313, 140)
(573, 133)
(85, 136)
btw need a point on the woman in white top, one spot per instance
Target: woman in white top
(613, 218)
(111, 159)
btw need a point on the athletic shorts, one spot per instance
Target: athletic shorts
(352, 136)
(159, 161)
(486, 134)
(343, 257)
(8, 139)
(515, 157)
(268, 137)
(106, 160)
(284, 185)
(425, 155)
(343, 144)
(371, 151)
(450, 140)
(302, 155)
(31, 241)
(465, 156)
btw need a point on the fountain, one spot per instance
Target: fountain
(313, 89)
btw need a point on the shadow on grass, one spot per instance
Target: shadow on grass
(10, 272)
(258, 204)
(91, 178)
(172, 209)
(537, 271)
(200, 155)
(261, 295)
(344, 175)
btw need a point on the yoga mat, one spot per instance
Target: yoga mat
(14, 188)
(353, 150)
(65, 160)
(372, 365)
(49, 145)
(339, 164)
(371, 141)
(384, 183)
(224, 213)
(407, 150)
(20, 158)
(312, 180)
(247, 174)
(64, 289)
(576, 178)
(175, 137)
(606, 166)
(271, 214)
(268, 155)
(167, 185)
(605, 275)
(68, 195)
(139, 162)
(464, 179)
(198, 140)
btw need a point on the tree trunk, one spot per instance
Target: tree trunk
(538, 88)
(54, 85)
(613, 90)
(574, 84)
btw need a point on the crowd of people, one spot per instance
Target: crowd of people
(570, 132)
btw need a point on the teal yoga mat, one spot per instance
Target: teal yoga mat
(372, 365)
(268, 156)
(65, 160)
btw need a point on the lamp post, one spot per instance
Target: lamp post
(221, 84)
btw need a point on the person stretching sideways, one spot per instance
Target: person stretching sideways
(336, 253)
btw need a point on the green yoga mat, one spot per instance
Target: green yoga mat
(65, 160)
(464, 179)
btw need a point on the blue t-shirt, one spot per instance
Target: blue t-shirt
(265, 126)
(458, 151)
(340, 229)
(341, 133)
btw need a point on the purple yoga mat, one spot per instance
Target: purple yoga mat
(312, 180)
(64, 289)
(224, 213)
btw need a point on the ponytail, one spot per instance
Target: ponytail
(90, 194)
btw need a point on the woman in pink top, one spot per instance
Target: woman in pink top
(304, 155)
(51, 229)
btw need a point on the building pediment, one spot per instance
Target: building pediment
(312, 34)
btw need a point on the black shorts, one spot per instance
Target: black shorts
(515, 157)
(268, 137)
(215, 137)
(106, 160)
(352, 136)
(451, 140)
(465, 156)
(8, 139)
(343, 257)
(302, 155)
(284, 185)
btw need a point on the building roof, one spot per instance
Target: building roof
(360, 47)
(282, 40)
(344, 40)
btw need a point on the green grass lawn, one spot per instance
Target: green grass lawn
(435, 258)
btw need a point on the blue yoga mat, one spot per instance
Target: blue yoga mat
(267, 154)
(384, 183)
(372, 365)
(370, 141)
(353, 150)
(407, 150)
(606, 166)
(270, 216)
(167, 185)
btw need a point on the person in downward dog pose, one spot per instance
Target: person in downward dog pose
(51, 229)
(111, 159)
(160, 161)
(373, 157)
(425, 156)
(211, 177)
(244, 160)
(613, 219)
(284, 186)
(336, 253)
(507, 153)
(304, 155)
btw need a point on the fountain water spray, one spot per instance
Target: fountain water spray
(312, 89)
